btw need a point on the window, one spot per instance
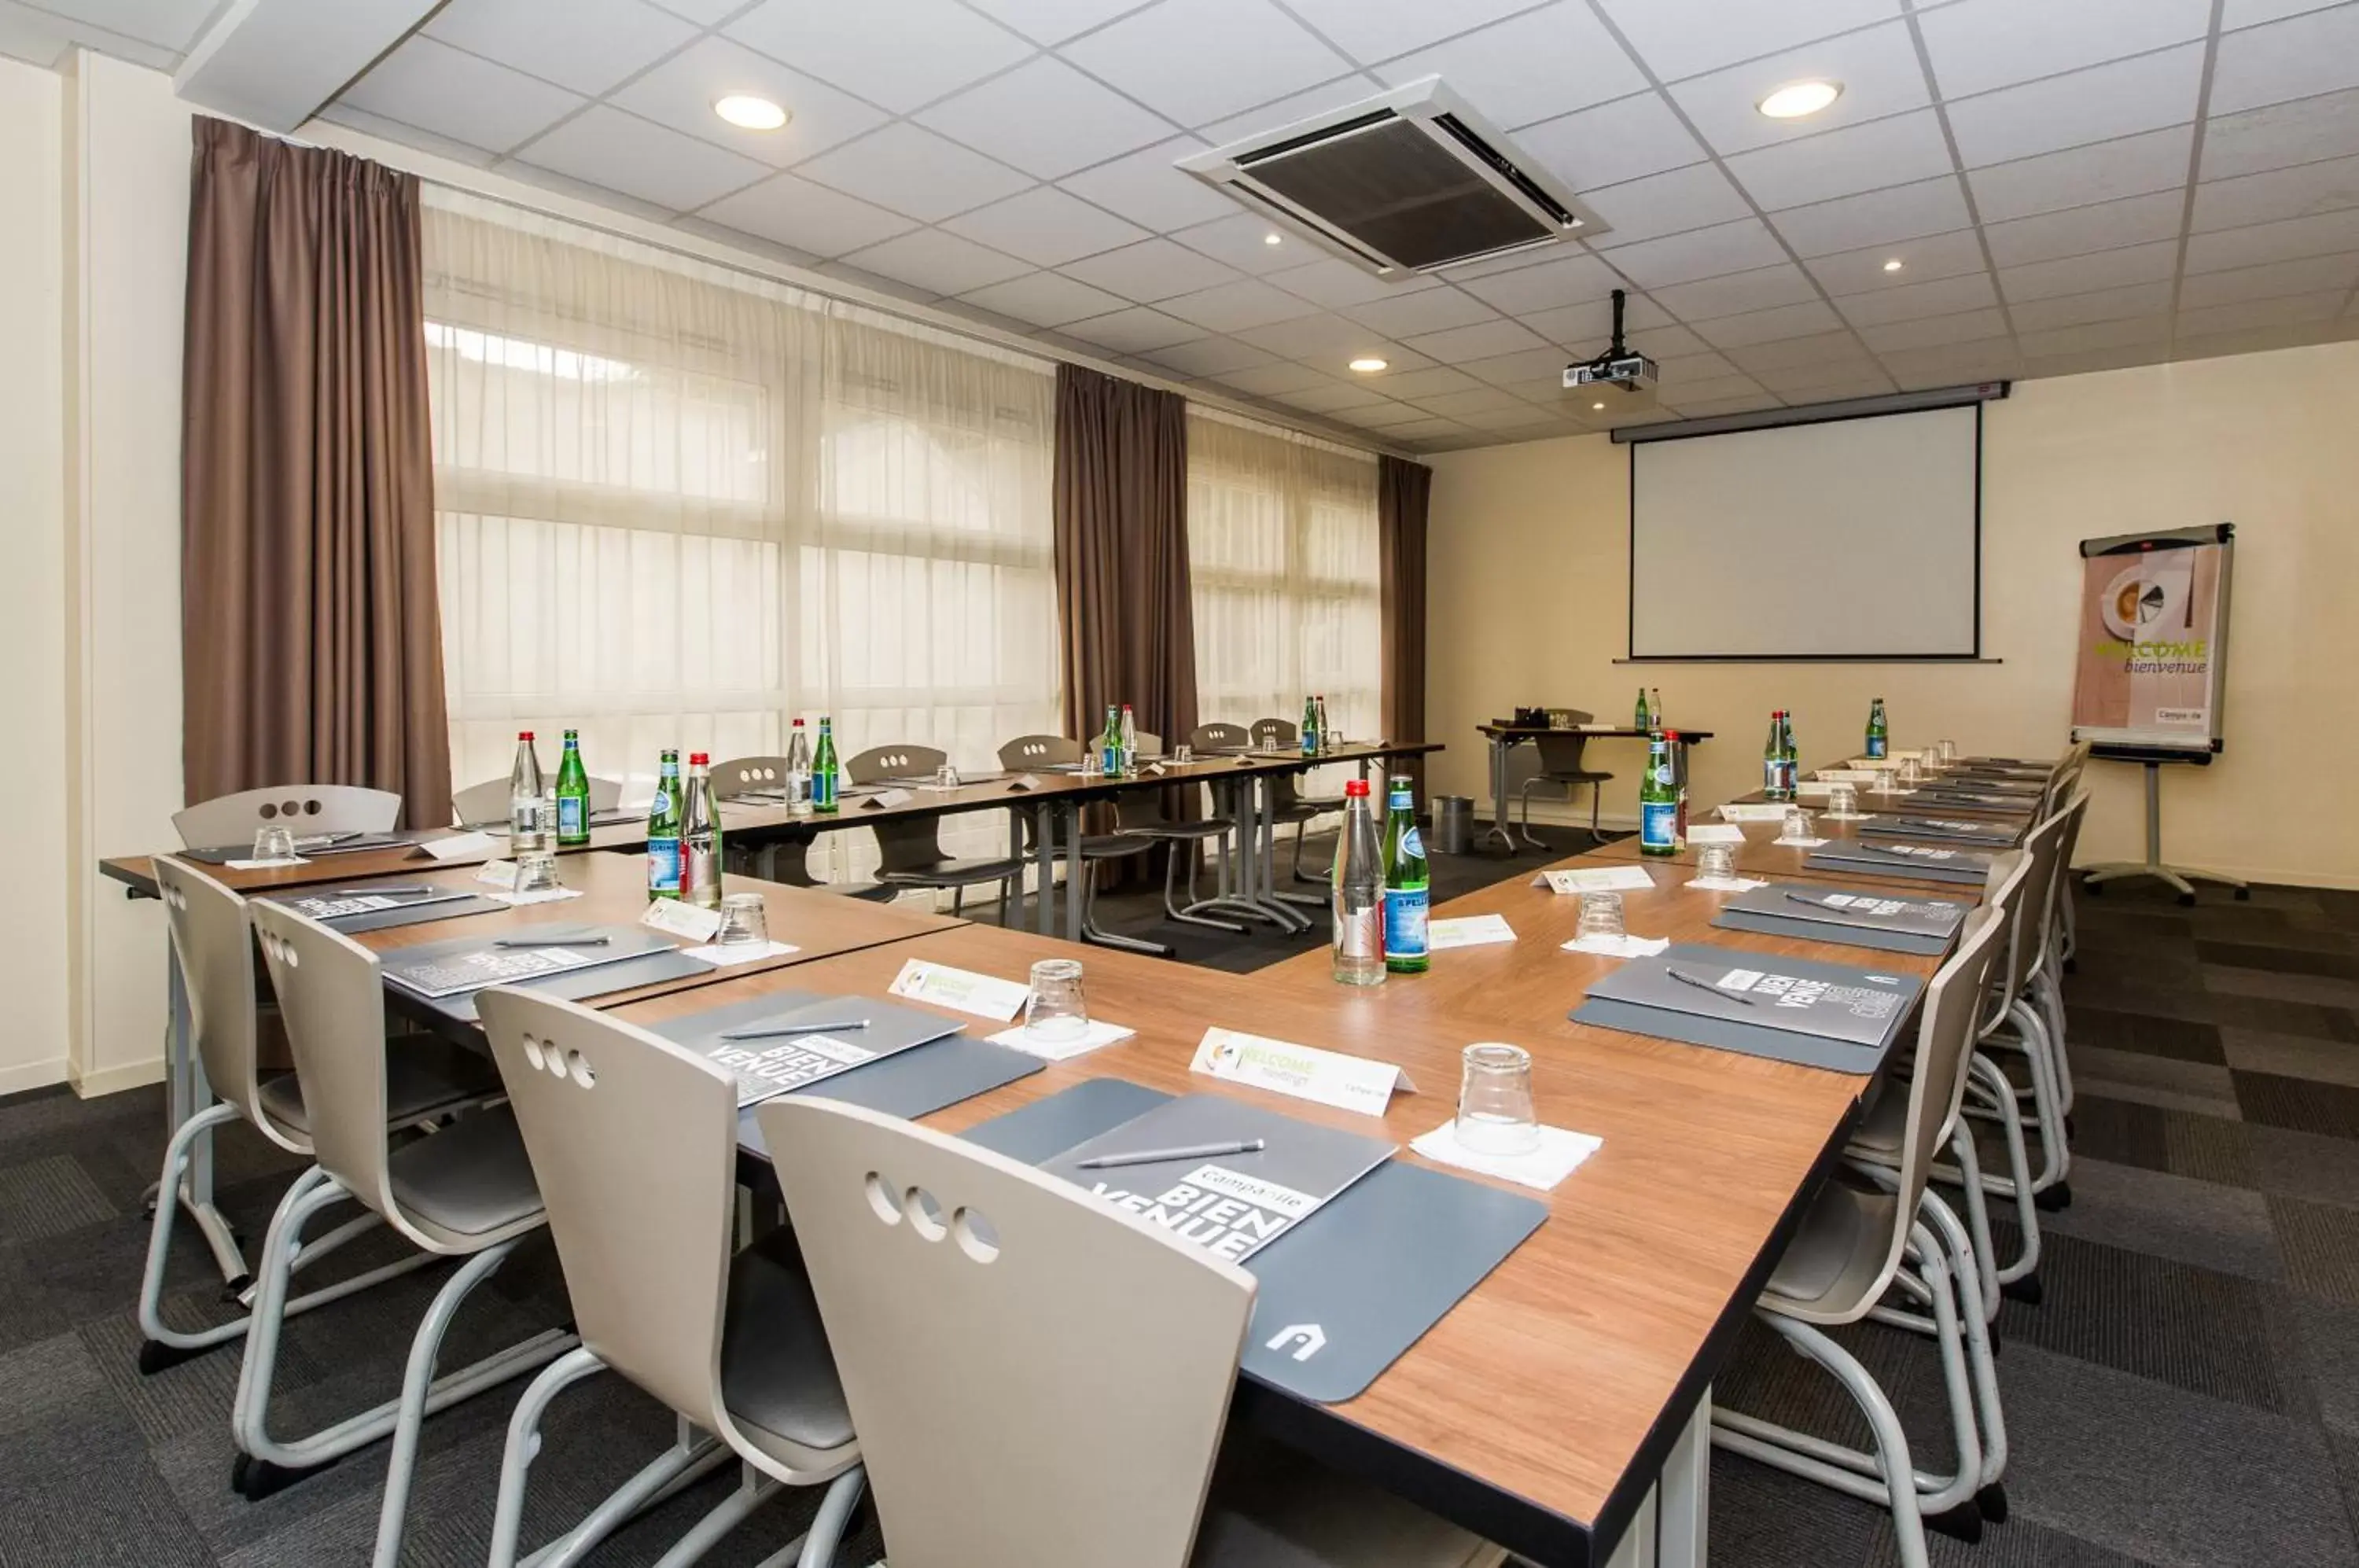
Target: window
(679, 507)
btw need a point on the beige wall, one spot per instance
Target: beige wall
(1528, 603)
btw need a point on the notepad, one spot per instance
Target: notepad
(766, 1067)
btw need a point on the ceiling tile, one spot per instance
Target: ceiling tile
(1052, 21)
(2118, 99)
(1689, 367)
(914, 171)
(794, 212)
(2298, 58)
(2297, 192)
(944, 264)
(1979, 45)
(1232, 307)
(1786, 353)
(1242, 240)
(2092, 335)
(1483, 340)
(1046, 227)
(2108, 225)
(601, 42)
(681, 93)
(2312, 274)
(1510, 369)
(1426, 312)
(1683, 37)
(1044, 299)
(2034, 316)
(1382, 415)
(1046, 118)
(605, 146)
(1136, 330)
(1668, 203)
(1341, 92)
(903, 56)
(1922, 260)
(1951, 365)
(2130, 166)
(1331, 400)
(1874, 217)
(2259, 340)
(1896, 151)
(704, 13)
(1270, 380)
(1939, 297)
(1876, 66)
(1428, 429)
(2281, 134)
(2288, 240)
(2098, 360)
(169, 25)
(1146, 189)
(1807, 319)
(1567, 280)
(1626, 139)
(1746, 405)
(1481, 400)
(1335, 282)
(1210, 356)
(1371, 30)
(1425, 383)
(1330, 341)
(1542, 63)
(452, 94)
(1151, 270)
(1784, 284)
(2245, 313)
(2080, 274)
(1834, 378)
(1702, 252)
(1525, 425)
(1586, 327)
(1964, 326)
(1196, 60)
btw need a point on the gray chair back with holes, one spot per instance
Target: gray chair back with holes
(1038, 1379)
(489, 801)
(1216, 738)
(1561, 754)
(1027, 752)
(215, 946)
(879, 763)
(746, 775)
(307, 808)
(1276, 734)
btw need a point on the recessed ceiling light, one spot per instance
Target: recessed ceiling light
(1368, 364)
(1892, 265)
(751, 114)
(1597, 405)
(1796, 99)
(1273, 237)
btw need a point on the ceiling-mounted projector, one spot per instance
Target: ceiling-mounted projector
(1619, 369)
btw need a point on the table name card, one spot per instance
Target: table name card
(1467, 930)
(886, 797)
(1305, 1071)
(1752, 811)
(498, 874)
(984, 995)
(1600, 879)
(1715, 833)
(680, 918)
(458, 846)
(1025, 781)
(265, 865)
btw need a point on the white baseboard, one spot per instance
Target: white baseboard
(114, 1080)
(32, 1075)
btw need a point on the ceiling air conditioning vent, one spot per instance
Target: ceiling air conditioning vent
(1407, 182)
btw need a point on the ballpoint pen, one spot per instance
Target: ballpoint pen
(769, 1031)
(1188, 1151)
(552, 942)
(1708, 986)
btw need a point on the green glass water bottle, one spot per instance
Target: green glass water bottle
(1408, 890)
(1879, 733)
(663, 830)
(826, 792)
(1644, 721)
(1659, 801)
(573, 795)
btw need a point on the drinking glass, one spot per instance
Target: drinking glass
(1842, 800)
(1796, 826)
(1949, 750)
(276, 842)
(1911, 774)
(1055, 1011)
(1716, 862)
(946, 776)
(1091, 763)
(536, 871)
(1601, 915)
(1495, 1101)
(1183, 754)
(744, 919)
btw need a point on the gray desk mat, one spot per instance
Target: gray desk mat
(410, 915)
(1749, 1040)
(1899, 867)
(1829, 932)
(1998, 836)
(908, 1084)
(1344, 1295)
(221, 855)
(575, 985)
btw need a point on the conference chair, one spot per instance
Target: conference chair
(911, 847)
(488, 803)
(1864, 1236)
(779, 855)
(310, 808)
(1562, 764)
(1033, 751)
(1041, 1381)
(1213, 739)
(464, 1192)
(634, 1141)
(1287, 803)
(213, 944)
(2017, 1023)
(1139, 813)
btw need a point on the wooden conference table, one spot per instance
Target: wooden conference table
(1505, 739)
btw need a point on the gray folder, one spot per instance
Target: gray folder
(1837, 1002)
(309, 846)
(1837, 936)
(578, 984)
(768, 1065)
(1835, 909)
(1925, 862)
(353, 916)
(1944, 830)
(435, 970)
(1996, 803)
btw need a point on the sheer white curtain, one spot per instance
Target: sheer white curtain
(679, 506)
(1283, 555)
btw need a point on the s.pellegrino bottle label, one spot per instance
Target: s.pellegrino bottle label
(1658, 802)
(663, 830)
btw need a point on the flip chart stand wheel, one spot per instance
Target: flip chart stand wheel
(2183, 879)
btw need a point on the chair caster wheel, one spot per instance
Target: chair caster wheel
(2026, 1289)
(261, 1478)
(2244, 895)
(1963, 1523)
(156, 1357)
(2051, 1199)
(1991, 1501)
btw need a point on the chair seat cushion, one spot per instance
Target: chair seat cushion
(1838, 1251)
(472, 1178)
(1185, 833)
(1575, 776)
(424, 1077)
(776, 1373)
(1273, 1508)
(1114, 846)
(954, 873)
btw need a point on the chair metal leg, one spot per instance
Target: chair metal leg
(754, 1490)
(523, 1446)
(1172, 910)
(1092, 933)
(834, 1516)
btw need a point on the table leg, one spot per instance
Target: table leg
(1668, 1531)
(1074, 887)
(1262, 889)
(1044, 866)
(1499, 745)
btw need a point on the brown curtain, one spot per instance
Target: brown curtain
(312, 648)
(1403, 489)
(1121, 554)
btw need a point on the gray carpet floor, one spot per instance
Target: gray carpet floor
(2188, 1394)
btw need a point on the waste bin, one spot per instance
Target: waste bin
(1453, 824)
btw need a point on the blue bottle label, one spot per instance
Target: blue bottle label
(1659, 824)
(1404, 918)
(822, 788)
(663, 867)
(572, 815)
(1875, 744)
(1412, 842)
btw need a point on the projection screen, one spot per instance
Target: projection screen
(1849, 539)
